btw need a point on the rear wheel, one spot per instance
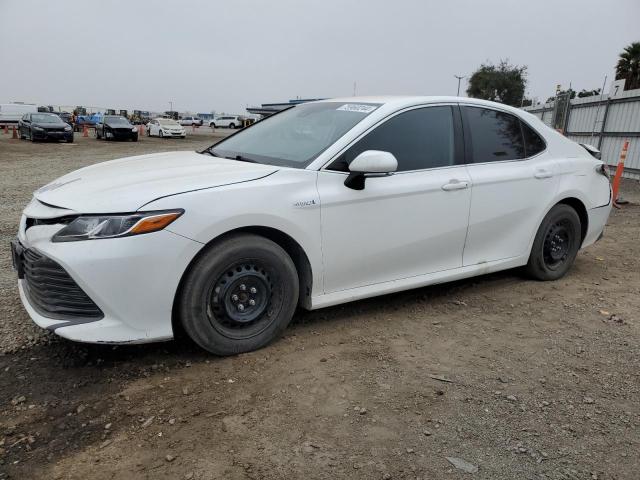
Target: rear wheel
(239, 295)
(232, 125)
(160, 134)
(556, 244)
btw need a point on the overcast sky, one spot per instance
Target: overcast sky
(225, 55)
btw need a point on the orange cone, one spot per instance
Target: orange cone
(85, 131)
(15, 133)
(619, 171)
(141, 130)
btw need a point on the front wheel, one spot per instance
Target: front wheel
(239, 295)
(556, 244)
(160, 134)
(232, 125)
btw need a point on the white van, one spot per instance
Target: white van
(13, 112)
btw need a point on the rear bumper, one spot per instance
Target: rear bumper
(597, 221)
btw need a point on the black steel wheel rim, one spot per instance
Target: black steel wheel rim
(558, 243)
(241, 300)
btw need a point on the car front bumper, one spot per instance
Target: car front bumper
(132, 280)
(47, 135)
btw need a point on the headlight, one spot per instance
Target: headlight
(67, 128)
(38, 129)
(93, 227)
(134, 129)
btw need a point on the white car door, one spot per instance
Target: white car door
(513, 177)
(409, 223)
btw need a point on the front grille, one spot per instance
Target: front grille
(55, 130)
(52, 292)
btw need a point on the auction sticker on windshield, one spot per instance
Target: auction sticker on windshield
(357, 107)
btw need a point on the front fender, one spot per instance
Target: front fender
(286, 201)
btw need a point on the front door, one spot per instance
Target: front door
(409, 223)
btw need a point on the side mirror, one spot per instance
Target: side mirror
(371, 163)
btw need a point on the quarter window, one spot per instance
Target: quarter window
(495, 136)
(533, 143)
(419, 139)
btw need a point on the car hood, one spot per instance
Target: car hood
(126, 184)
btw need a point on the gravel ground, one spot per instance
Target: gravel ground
(498, 375)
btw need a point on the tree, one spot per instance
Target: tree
(628, 66)
(588, 93)
(503, 83)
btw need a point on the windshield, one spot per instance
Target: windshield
(167, 122)
(45, 118)
(295, 137)
(116, 120)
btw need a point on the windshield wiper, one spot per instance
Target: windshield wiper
(240, 158)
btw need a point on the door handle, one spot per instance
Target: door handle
(540, 174)
(455, 185)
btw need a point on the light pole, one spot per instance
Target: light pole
(171, 106)
(459, 78)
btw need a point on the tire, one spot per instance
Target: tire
(215, 300)
(160, 134)
(232, 125)
(70, 140)
(98, 137)
(212, 125)
(556, 244)
(31, 136)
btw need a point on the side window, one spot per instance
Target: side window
(419, 139)
(533, 143)
(495, 136)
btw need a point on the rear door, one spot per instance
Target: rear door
(406, 224)
(513, 176)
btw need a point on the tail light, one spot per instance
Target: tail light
(602, 169)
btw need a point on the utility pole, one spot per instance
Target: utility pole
(354, 89)
(170, 106)
(459, 78)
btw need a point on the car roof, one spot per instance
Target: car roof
(401, 101)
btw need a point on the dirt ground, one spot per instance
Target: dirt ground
(521, 379)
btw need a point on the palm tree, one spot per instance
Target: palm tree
(628, 66)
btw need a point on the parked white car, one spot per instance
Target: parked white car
(324, 203)
(165, 127)
(226, 122)
(189, 121)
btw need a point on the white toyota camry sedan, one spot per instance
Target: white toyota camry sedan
(321, 204)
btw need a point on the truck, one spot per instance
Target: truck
(11, 113)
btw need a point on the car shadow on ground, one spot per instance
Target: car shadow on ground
(182, 350)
